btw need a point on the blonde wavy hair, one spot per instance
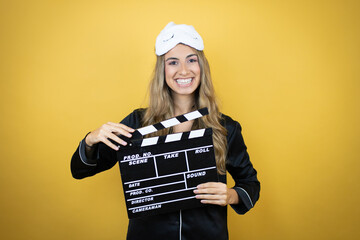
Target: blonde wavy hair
(161, 106)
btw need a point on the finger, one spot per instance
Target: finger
(210, 191)
(110, 144)
(123, 126)
(117, 130)
(116, 139)
(211, 197)
(210, 185)
(120, 131)
(215, 202)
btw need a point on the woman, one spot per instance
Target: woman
(181, 83)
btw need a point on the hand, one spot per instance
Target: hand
(216, 193)
(108, 131)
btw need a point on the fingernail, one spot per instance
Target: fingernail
(196, 191)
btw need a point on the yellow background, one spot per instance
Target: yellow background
(288, 71)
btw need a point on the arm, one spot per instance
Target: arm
(245, 193)
(241, 169)
(96, 153)
(103, 158)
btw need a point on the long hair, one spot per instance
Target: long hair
(161, 106)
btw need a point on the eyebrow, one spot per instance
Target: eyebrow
(174, 58)
(171, 58)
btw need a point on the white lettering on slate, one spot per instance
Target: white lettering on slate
(134, 193)
(129, 157)
(201, 150)
(197, 174)
(172, 155)
(148, 199)
(140, 161)
(147, 208)
(148, 154)
(131, 185)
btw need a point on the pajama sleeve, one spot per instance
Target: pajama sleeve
(105, 157)
(241, 169)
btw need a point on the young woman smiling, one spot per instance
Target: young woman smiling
(181, 83)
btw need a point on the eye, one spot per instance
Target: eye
(193, 60)
(172, 62)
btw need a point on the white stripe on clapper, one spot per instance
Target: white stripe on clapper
(197, 133)
(170, 122)
(173, 137)
(149, 141)
(193, 115)
(147, 130)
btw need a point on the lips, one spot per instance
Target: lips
(183, 81)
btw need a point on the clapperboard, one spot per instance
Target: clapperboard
(160, 173)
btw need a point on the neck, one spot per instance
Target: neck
(183, 103)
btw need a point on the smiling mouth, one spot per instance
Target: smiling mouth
(184, 81)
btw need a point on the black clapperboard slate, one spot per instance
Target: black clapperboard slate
(159, 174)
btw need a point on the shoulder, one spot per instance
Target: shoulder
(232, 127)
(234, 136)
(139, 112)
(134, 119)
(229, 123)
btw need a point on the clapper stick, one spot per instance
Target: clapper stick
(173, 121)
(170, 122)
(141, 132)
(160, 173)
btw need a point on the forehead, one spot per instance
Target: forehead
(180, 50)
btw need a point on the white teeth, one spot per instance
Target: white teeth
(184, 81)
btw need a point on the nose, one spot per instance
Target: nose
(184, 69)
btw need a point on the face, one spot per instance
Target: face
(182, 70)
